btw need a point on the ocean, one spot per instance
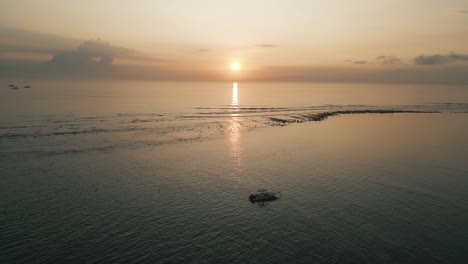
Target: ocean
(160, 172)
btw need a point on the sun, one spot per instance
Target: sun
(235, 66)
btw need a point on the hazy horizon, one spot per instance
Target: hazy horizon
(274, 41)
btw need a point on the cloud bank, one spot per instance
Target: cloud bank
(61, 57)
(388, 60)
(357, 62)
(92, 55)
(440, 59)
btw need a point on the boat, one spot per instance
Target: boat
(27, 86)
(263, 195)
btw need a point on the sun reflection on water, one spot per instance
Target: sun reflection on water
(235, 95)
(234, 135)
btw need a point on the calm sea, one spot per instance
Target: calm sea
(154, 172)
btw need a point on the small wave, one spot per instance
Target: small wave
(65, 133)
(21, 127)
(324, 115)
(242, 108)
(148, 129)
(140, 121)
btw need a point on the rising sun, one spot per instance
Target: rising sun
(235, 66)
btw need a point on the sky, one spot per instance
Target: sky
(390, 41)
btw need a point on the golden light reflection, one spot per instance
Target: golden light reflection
(235, 127)
(235, 95)
(234, 130)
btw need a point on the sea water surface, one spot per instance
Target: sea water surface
(153, 172)
(63, 116)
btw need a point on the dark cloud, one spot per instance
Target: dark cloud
(15, 48)
(92, 56)
(21, 69)
(101, 48)
(388, 60)
(70, 58)
(98, 48)
(464, 12)
(267, 46)
(14, 40)
(357, 62)
(440, 59)
(139, 56)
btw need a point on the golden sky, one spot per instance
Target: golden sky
(272, 40)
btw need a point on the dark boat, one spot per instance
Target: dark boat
(27, 86)
(263, 195)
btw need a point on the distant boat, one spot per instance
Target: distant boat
(14, 87)
(27, 86)
(11, 85)
(264, 195)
